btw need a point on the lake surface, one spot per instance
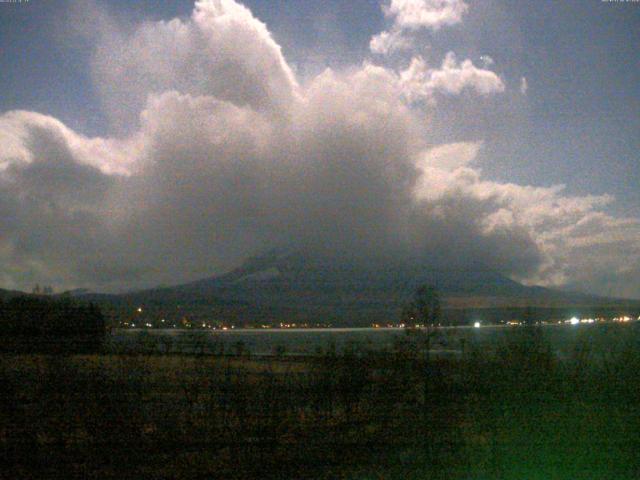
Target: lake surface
(600, 339)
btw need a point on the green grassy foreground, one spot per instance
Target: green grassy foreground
(515, 412)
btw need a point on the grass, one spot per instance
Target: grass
(514, 411)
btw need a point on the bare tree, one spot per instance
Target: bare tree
(424, 310)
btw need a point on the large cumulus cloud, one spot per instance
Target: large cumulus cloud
(223, 153)
(221, 50)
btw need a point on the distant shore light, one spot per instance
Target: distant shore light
(476, 325)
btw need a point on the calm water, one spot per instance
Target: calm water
(600, 339)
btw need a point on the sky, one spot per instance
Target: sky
(146, 143)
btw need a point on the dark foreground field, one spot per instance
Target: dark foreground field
(515, 412)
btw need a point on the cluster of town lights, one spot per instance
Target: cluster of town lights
(476, 324)
(577, 321)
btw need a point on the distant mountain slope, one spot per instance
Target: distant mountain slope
(293, 286)
(278, 274)
(7, 294)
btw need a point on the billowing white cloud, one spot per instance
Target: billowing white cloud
(413, 15)
(221, 50)
(573, 240)
(232, 155)
(432, 14)
(385, 42)
(449, 156)
(487, 61)
(107, 155)
(452, 78)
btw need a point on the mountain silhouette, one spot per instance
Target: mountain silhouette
(295, 286)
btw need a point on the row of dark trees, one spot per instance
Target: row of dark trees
(30, 323)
